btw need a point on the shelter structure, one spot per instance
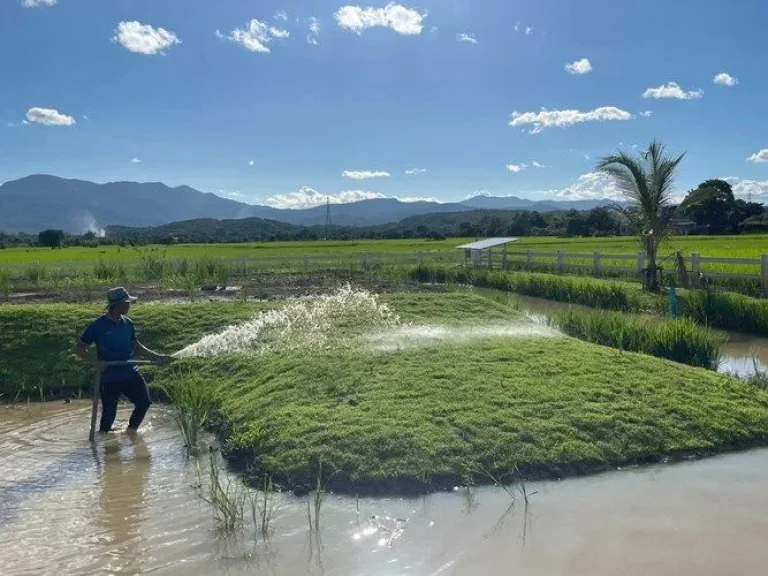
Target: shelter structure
(481, 252)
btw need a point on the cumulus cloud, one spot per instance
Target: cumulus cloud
(466, 37)
(402, 20)
(49, 117)
(756, 189)
(537, 165)
(135, 161)
(143, 38)
(256, 36)
(306, 197)
(365, 174)
(646, 114)
(420, 199)
(759, 156)
(582, 66)
(251, 163)
(313, 25)
(565, 118)
(725, 79)
(415, 171)
(281, 15)
(37, 3)
(528, 30)
(589, 186)
(516, 168)
(674, 91)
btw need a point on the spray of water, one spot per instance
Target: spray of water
(306, 324)
(412, 336)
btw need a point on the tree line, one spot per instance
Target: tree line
(710, 208)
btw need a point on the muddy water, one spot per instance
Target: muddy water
(131, 506)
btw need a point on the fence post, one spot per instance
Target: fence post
(504, 257)
(596, 264)
(560, 261)
(764, 274)
(306, 261)
(696, 268)
(529, 260)
(640, 261)
(420, 255)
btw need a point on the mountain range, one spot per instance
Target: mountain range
(41, 201)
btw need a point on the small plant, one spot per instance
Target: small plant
(188, 394)
(316, 502)
(227, 498)
(759, 377)
(263, 506)
(6, 284)
(153, 266)
(35, 274)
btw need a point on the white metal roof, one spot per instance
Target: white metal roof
(487, 243)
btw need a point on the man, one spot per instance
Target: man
(115, 339)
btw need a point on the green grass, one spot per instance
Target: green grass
(87, 255)
(419, 418)
(680, 340)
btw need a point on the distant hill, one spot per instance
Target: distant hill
(205, 230)
(37, 202)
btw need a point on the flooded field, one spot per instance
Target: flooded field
(133, 505)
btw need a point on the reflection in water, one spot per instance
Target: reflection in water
(123, 479)
(138, 511)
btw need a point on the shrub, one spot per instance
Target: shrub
(680, 340)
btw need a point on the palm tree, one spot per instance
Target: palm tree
(646, 180)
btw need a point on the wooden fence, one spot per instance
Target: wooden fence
(700, 269)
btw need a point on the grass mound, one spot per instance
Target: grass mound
(422, 417)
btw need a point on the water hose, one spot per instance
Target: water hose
(96, 381)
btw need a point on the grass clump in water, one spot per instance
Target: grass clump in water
(680, 340)
(192, 401)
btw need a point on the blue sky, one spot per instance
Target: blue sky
(289, 102)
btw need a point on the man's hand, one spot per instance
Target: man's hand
(164, 359)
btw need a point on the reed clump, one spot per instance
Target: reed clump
(680, 340)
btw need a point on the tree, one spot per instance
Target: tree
(712, 205)
(51, 237)
(646, 181)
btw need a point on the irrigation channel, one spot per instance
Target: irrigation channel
(131, 505)
(136, 504)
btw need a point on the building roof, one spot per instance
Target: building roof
(487, 243)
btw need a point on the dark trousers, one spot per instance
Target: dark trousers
(135, 389)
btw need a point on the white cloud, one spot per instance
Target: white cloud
(313, 24)
(365, 174)
(565, 118)
(759, 156)
(143, 38)
(516, 168)
(537, 165)
(135, 161)
(466, 37)
(49, 117)
(256, 36)
(415, 171)
(420, 199)
(517, 26)
(674, 91)
(589, 186)
(402, 20)
(646, 114)
(582, 66)
(251, 163)
(528, 30)
(281, 15)
(725, 79)
(37, 3)
(85, 117)
(757, 189)
(306, 197)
